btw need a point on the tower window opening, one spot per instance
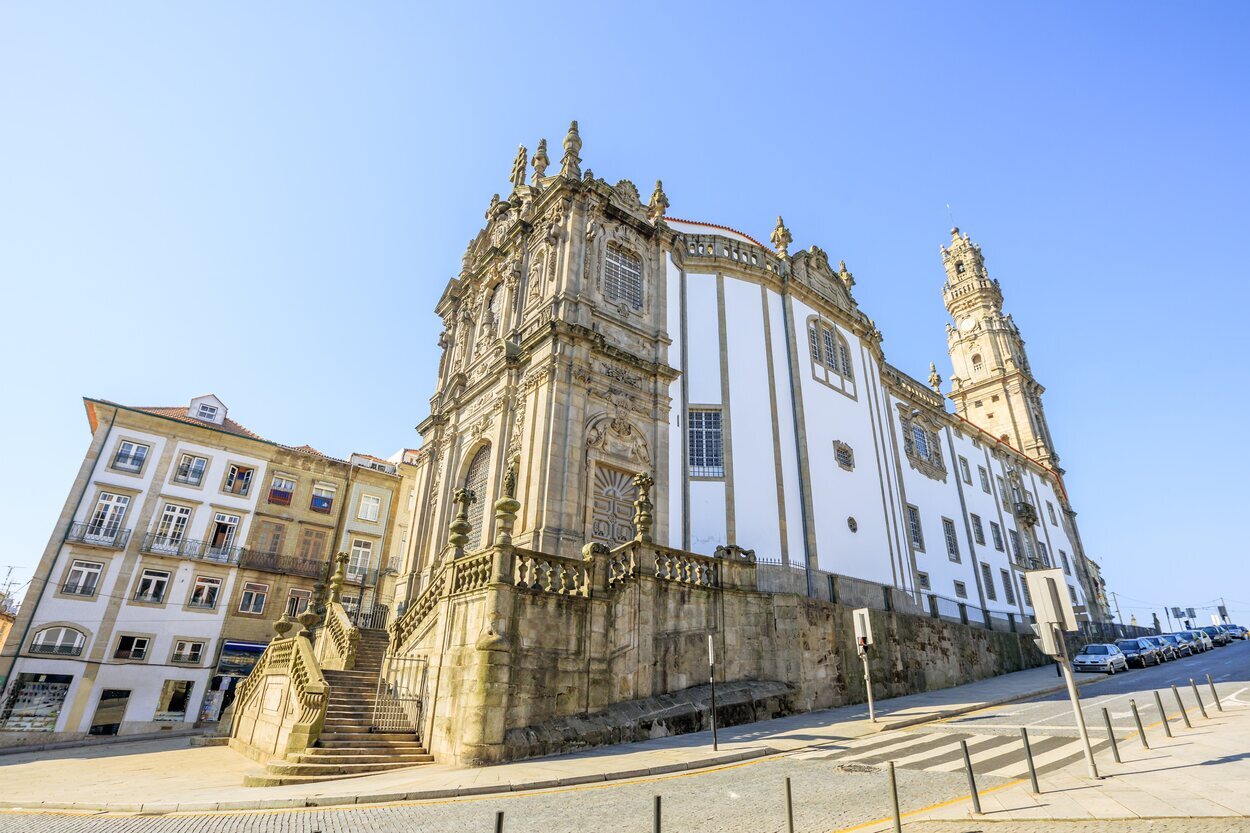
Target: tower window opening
(959, 267)
(977, 363)
(622, 277)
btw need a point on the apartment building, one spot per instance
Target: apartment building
(183, 538)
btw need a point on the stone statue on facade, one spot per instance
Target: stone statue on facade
(782, 238)
(935, 381)
(658, 204)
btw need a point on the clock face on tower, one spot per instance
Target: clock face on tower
(967, 324)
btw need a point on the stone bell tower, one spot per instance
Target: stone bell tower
(992, 385)
(554, 380)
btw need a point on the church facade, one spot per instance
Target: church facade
(590, 338)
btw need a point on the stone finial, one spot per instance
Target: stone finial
(848, 280)
(642, 507)
(306, 621)
(506, 509)
(935, 381)
(283, 626)
(339, 577)
(540, 162)
(518, 167)
(658, 204)
(509, 482)
(782, 238)
(589, 551)
(570, 165)
(460, 526)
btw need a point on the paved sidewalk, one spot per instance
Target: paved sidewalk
(167, 776)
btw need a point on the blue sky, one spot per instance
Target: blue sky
(265, 200)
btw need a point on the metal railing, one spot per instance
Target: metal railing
(202, 604)
(76, 589)
(148, 598)
(273, 562)
(98, 536)
(177, 547)
(56, 650)
(401, 694)
(188, 659)
(372, 618)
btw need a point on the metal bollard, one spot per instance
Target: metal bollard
(1201, 707)
(789, 808)
(1167, 727)
(1141, 733)
(499, 822)
(656, 827)
(972, 781)
(1214, 693)
(898, 818)
(1181, 704)
(1028, 756)
(1115, 749)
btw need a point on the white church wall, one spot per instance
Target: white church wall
(676, 448)
(703, 345)
(785, 430)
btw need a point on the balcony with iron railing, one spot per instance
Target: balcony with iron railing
(57, 650)
(77, 589)
(187, 659)
(277, 562)
(203, 603)
(148, 598)
(97, 535)
(176, 547)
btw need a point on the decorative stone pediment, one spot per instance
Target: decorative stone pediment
(618, 438)
(627, 193)
(811, 268)
(922, 443)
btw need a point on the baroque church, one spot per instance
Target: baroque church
(592, 344)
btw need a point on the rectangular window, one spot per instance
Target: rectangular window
(106, 518)
(1002, 489)
(996, 533)
(322, 499)
(987, 580)
(1050, 510)
(312, 544)
(131, 647)
(622, 277)
(223, 530)
(174, 701)
(130, 457)
(207, 412)
(1072, 593)
(204, 593)
(83, 579)
(1063, 558)
(913, 526)
(188, 652)
(370, 508)
(961, 590)
(952, 542)
(1008, 593)
(191, 468)
(1028, 551)
(297, 602)
(281, 488)
(922, 580)
(152, 586)
(964, 471)
(358, 563)
(1024, 593)
(707, 451)
(978, 531)
(1043, 554)
(172, 527)
(253, 598)
(238, 480)
(985, 479)
(1015, 547)
(269, 536)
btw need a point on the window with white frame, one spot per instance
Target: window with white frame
(996, 533)
(1016, 552)
(152, 586)
(206, 412)
(297, 602)
(987, 580)
(222, 534)
(1024, 593)
(130, 456)
(370, 508)
(622, 276)
(83, 578)
(830, 352)
(252, 601)
(706, 438)
(322, 498)
(188, 652)
(66, 642)
(978, 531)
(238, 479)
(1043, 554)
(964, 471)
(106, 518)
(190, 470)
(1063, 558)
(281, 489)
(358, 562)
(985, 479)
(1050, 510)
(1008, 593)
(922, 581)
(914, 528)
(921, 443)
(1072, 593)
(961, 590)
(204, 592)
(171, 528)
(131, 648)
(952, 541)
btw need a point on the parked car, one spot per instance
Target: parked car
(1167, 651)
(1238, 632)
(1218, 635)
(1100, 657)
(1184, 647)
(1139, 652)
(1204, 641)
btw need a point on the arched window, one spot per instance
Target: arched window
(495, 306)
(622, 276)
(829, 348)
(475, 481)
(977, 363)
(65, 642)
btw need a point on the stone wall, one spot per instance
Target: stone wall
(520, 652)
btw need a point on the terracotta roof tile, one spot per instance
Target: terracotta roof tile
(180, 413)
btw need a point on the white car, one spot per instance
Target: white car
(1100, 657)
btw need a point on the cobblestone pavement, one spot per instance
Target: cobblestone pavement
(744, 799)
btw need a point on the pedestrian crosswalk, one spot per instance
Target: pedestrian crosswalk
(992, 754)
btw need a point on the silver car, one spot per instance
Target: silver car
(1100, 657)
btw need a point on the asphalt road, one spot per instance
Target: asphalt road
(833, 787)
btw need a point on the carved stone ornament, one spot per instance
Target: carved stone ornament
(922, 442)
(518, 168)
(627, 192)
(570, 165)
(540, 161)
(618, 438)
(781, 238)
(658, 204)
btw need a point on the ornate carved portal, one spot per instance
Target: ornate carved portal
(475, 481)
(612, 513)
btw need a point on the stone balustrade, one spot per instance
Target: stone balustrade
(551, 574)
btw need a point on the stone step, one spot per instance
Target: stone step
(286, 768)
(412, 744)
(367, 737)
(372, 756)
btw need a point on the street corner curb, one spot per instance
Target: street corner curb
(590, 778)
(535, 785)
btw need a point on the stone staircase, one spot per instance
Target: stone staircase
(347, 748)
